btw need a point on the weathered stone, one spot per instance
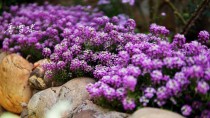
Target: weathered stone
(38, 68)
(85, 114)
(90, 110)
(37, 79)
(14, 88)
(24, 113)
(2, 55)
(37, 83)
(73, 91)
(41, 102)
(154, 113)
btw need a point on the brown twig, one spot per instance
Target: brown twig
(195, 16)
(176, 12)
(28, 56)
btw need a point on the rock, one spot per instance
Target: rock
(90, 110)
(73, 91)
(24, 113)
(37, 83)
(38, 68)
(2, 55)
(154, 113)
(37, 79)
(42, 101)
(85, 114)
(14, 87)
(113, 114)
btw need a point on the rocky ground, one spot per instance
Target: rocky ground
(25, 93)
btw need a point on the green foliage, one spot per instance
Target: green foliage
(31, 53)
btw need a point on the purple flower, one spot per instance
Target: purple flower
(173, 85)
(207, 74)
(156, 76)
(101, 2)
(48, 74)
(160, 103)
(194, 71)
(133, 70)
(173, 62)
(120, 93)
(179, 40)
(129, 82)
(75, 64)
(144, 100)
(61, 64)
(131, 2)
(131, 24)
(128, 103)
(202, 87)
(162, 93)
(94, 89)
(123, 72)
(181, 78)
(156, 29)
(186, 110)
(46, 52)
(163, 14)
(203, 36)
(149, 92)
(109, 93)
(54, 57)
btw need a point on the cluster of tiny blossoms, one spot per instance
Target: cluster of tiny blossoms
(28, 27)
(85, 48)
(150, 71)
(132, 69)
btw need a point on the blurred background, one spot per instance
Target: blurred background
(179, 16)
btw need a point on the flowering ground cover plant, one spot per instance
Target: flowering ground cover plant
(150, 71)
(132, 69)
(30, 28)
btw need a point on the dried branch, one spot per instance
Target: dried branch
(176, 12)
(195, 16)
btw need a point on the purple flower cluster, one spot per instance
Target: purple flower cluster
(150, 71)
(50, 25)
(86, 41)
(132, 69)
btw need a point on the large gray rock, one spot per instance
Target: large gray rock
(154, 113)
(41, 102)
(73, 91)
(14, 87)
(90, 110)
